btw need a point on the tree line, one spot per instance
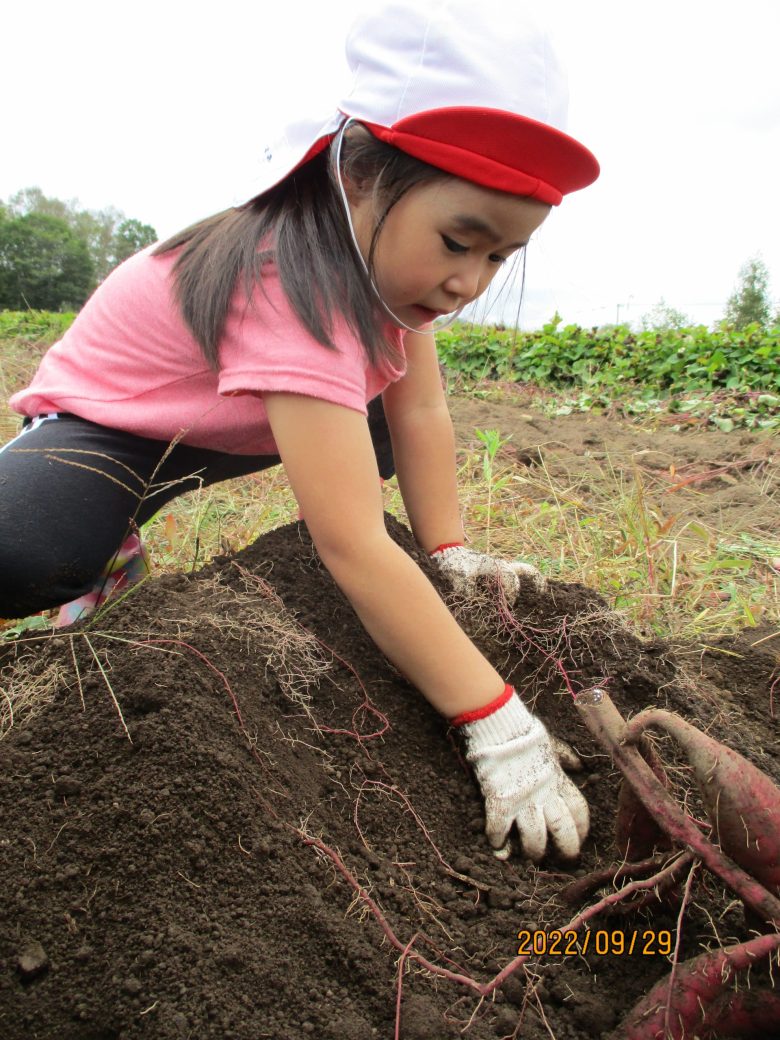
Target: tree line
(749, 304)
(54, 253)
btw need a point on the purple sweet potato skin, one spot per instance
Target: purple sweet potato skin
(637, 835)
(744, 807)
(681, 1011)
(749, 1013)
(743, 803)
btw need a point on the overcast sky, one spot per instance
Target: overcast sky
(162, 108)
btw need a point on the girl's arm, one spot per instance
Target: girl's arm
(424, 454)
(424, 446)
(327, 453)
(329, 458)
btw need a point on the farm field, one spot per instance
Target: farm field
(226, 815)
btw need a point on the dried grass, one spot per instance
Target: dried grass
(27, 686)
(254, 616)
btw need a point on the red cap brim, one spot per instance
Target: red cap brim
(492, 148)
(495, 149)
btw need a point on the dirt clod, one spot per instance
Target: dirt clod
(32, 962)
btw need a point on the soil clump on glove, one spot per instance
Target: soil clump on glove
(177, 756)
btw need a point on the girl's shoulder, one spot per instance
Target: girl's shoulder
(144, 280)
(144, 265)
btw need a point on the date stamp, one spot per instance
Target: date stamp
(646, 942)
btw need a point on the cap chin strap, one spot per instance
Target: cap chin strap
(402, 324)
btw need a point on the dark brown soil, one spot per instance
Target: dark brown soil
(160, 881)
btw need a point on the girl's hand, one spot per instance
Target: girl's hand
(519, 773)
(463, 568)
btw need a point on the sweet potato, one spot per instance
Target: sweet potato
(609, 728)
(677, 1007)
(637, 835)
(742, 803)
(749, 1013)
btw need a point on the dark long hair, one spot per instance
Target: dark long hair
(301, 225)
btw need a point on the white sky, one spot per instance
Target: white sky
(161, 109)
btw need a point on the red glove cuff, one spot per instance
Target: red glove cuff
(487, 709)
(445, 545)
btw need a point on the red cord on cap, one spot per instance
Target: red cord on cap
(487, 709)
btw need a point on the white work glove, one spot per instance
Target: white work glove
(517, 766)
(463, 567)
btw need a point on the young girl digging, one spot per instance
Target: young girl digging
(267, 333)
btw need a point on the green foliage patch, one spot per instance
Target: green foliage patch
(53, 253)
(731, 375)
(43, 263)
(34, 326)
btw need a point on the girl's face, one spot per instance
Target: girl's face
(442, 244)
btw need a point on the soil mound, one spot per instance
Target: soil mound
(203, 785)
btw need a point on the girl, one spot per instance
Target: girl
(267, 332)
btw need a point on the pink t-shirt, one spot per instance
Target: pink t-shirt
(130, 362)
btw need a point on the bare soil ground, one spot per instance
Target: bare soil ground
(729, 480)
(201, 789)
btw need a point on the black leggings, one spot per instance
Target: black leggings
(71, 491)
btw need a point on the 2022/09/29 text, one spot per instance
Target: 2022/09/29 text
(646, 942)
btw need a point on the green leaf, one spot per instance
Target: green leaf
(29, 624)
(727, 425)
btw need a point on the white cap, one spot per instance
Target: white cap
(472, 88)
